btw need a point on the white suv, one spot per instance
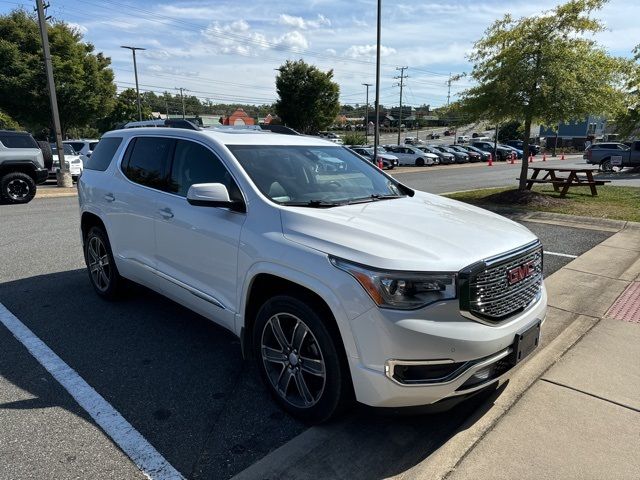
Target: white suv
(339, 283)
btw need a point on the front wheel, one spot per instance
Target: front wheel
(420, 162)
(298, 359)
(17, 187)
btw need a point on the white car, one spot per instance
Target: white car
(410, 155)
(463, 138)
(338, 283)
(71, 158)
(82, 147)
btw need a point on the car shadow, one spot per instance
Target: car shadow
(181, 382)
(624, 174)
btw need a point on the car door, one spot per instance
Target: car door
(197, 247)
(131, 206)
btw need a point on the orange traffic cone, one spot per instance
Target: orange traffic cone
(562, 156)
(544, 157)
(512, 158)
(490, 160)
(380, 164)
(530, 158)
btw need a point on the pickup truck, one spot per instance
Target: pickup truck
(609, 155)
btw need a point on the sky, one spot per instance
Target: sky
(227, 50)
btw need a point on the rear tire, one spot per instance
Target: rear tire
(298, 359)
(606, 165)
(17, 188)
(101, 267)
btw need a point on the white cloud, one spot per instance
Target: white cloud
(302, 24)
(81, 29)
(235, 38)
(331, 51)
(367, 51)
(293, 40)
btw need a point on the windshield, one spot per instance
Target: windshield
(66, 148)
(314, 176)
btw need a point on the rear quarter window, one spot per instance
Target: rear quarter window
(103, 154)
(18, 141)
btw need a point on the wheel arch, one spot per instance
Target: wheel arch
(89, 220)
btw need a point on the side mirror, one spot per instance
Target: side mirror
(212, 195)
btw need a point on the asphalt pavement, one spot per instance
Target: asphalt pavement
(176, 377)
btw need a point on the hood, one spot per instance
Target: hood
(420, 233)
(386, 156)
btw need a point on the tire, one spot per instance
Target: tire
(285, 362)
(420, 162)
(46, 153)
(101, 267)
(17, 188)
(606, 166)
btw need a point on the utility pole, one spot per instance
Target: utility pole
(182, 98)
(366, 115)
(63, 177)
(135, 72)
(166, 104)
(448, 90)
(401, 84)
(377, 125)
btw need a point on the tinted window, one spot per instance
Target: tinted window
(17, 141)
(148, 161)
(193, 163)
(92, 145)
(77, 146)
(103, 154)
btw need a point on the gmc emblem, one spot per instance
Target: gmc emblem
(521, 272)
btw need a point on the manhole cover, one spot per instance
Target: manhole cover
(627, 306)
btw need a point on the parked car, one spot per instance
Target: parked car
(389, 162)
(21, 167)
(82, 147)
(444, 158)
(473, 156)
(332, 137)
(459, 156)
(515, 150)
(519, 144)
(483, 155)
(609, 155)
(434, 135)
(502, 153)
(463, 138)
(447, 133)
(71, 159)
(340, 286)
(410, 155)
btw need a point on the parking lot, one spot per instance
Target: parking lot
(178, 379)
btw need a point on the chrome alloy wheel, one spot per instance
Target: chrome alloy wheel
(18, 189)
(99, 265)
(293, 360)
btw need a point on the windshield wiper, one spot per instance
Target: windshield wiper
(373, 198)
(312, 204)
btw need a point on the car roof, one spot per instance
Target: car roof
(13, 133)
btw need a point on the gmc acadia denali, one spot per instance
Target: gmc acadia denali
(340, 283)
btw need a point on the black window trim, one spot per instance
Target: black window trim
(127, 153)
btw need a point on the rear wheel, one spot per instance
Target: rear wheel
(17, 187)
(298, 359)
(101, 266)
(606, 165)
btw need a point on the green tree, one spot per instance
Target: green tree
(544, 69)
(628, 121)
(308, 98)
(125, 110)
(8, 123)
(84, 81)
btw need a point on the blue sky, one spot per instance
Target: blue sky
(227, 50)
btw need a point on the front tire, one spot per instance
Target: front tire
(420, 162)
(298, 359)
(103, 273)
(17, 188)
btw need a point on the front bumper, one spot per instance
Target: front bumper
(41, 175)
(384, 335)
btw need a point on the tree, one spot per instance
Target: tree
(84, 81)
(125, 110)
(8, 123)
(628, 121)
(308, 98)
(544, 69)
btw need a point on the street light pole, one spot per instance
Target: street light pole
(182, 98)
(63, 177)
(135, 72)
(366, 115)
(377, 126)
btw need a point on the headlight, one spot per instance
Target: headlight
(401, 290)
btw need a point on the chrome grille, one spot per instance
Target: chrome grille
(490, 295)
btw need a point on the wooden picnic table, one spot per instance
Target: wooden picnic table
(574, 179)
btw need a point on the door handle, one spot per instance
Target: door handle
(166, 213)
(109, 197)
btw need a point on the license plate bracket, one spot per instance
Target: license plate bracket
(525, 343)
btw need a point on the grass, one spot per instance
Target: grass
(619, 203)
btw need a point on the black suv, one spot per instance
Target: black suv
(21, 167)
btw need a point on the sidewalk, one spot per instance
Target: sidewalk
(572, 411)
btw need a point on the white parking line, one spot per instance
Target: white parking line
(152, 464)
(560, 254)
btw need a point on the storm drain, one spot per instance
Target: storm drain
(627, 306)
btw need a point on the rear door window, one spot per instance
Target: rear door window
(103, 154)
(147, 161)
(17, 141)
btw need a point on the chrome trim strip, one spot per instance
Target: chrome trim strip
(192, 290)
(466, 369)
(512, 253)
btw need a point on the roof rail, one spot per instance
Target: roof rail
(279, 129)
(170, 122)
